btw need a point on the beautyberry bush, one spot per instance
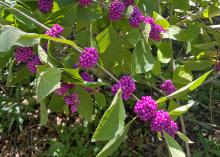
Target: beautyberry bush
(123, 69)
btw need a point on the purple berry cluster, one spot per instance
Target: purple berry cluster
(116, 10)
(45, 6)
(163, 122)
(26, 55)
(156, 29)
(217, 66)
(136, 17)
(146, 108)
(168, 87)
(86, 77)
(32, 64)
(55, 30)
(89, 57)
(72, 101)
(128, 2)
(23, 54)
(127, 85)
(64, 87)
(85, 2)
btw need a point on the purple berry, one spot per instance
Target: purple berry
(172, 128)
(146, 108)
(128, 2)
(45, 6)
(168, 87)
(136, 17)
(75, 66)
(149, 20)
(73, 101)
(89, 57)
(23, 54)
(127, 85)
(85, 2)
(55, 30)
(217, 66)
(64, 87)
(155, 32)
(45, 45)
(86, 77)
(156, 29)
(116, 10)
(161, 121)
(32, 64)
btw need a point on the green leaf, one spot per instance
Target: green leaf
(146, 28)
(9, 36)
(48, 80)
(74, 73)
(133, 36)
(181, 4)
(174, 148)
(157, 68)
(211, 11)
(164, 52)
(198, 65)
(4, 59)
(112, 121)
(171, 32)
(116, 58)
(114, 143)
(23, 19)
(44, 57)
(173, 105)
(142, 59)
(160, 20)
(82, 38)
(181, 110)
(103, 40)
(93, 84)
(100, 99)
(182, 75)
(11, 64)
(85, 108)
(19, 76)
(43, 113)
(65, 16)
(206, 46)
(56, 103)
(188, 34)
(184, 137)
(27, 37)
(190, 87)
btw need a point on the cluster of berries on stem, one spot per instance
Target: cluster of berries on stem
(146, 110)
(26, 55)
(127, 85)
(72, 100)
(55, 31)
(45, 6)
(89, 57)
(168, 87)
